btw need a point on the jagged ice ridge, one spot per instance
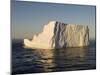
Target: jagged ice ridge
(57, 35)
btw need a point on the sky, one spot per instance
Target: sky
(29, 18)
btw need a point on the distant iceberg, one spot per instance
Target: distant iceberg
(57, 35)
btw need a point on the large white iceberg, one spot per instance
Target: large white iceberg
(57, 35)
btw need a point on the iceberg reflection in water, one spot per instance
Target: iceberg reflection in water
(42, 60)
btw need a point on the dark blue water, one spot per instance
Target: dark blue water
(37, 61)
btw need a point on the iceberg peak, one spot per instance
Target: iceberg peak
(57, 35)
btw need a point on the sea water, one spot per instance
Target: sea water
(25, 60)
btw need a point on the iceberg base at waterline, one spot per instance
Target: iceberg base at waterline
(58, 35)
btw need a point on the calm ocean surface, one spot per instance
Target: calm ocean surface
(37, 61)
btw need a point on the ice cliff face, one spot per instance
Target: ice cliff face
(57, 35)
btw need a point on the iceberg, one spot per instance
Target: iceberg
(56, 35)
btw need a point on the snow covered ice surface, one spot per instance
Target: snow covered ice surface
(57, 35)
